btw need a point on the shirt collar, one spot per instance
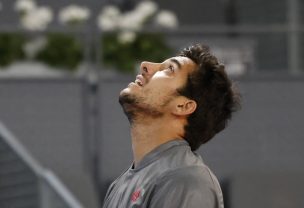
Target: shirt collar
(156, 152)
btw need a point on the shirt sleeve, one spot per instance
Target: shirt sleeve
(184, 189)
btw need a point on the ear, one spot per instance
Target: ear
(184, 107)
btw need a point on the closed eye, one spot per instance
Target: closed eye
(170, 68)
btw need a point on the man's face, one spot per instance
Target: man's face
(156, 86)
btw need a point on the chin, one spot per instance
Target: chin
(130, 89)
(126, 96)
(124, 92)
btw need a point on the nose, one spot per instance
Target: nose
(148, 68)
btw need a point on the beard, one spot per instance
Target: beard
(135, 108)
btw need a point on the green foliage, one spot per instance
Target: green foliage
(125, 56)
(66, 51)
(61, 50)
(11, 48)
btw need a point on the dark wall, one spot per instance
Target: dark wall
(265, 137)
(189, 12)
(263, 142)
(46, 115)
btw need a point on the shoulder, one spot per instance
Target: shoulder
(185, 188)
(183, 167)
(198, 177)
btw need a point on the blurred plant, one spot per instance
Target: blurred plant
(32, 47)
(166, 19)
(24, 6)
(32, 17)
(37, 19)
(126, 56)
(111, 18)
(108, 19)
(61, 50)
(11, 48)
(74, 15)
(124, 44)
(55, 49)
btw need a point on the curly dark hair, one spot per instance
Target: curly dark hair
(215, 95)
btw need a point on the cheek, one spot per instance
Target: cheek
(155, 89)
(158, 95)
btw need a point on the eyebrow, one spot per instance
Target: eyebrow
(176, 62)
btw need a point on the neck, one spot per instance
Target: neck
(151, 133)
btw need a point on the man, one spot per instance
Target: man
(173, 107)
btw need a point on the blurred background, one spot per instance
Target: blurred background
(63, 135)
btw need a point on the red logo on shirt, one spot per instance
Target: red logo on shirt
(135, 195)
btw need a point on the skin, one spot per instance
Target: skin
(156, 111)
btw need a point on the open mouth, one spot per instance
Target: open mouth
(138, 82)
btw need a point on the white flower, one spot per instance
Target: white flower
(37, 19)
(126, 37)
(73, 14)
(147, 8)
(108, 19)
(131, 21)
(33, 47)
(134, 20)
(106, 23)
(110, 11)
(45, 13)
(166, 19)
(25, 6)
